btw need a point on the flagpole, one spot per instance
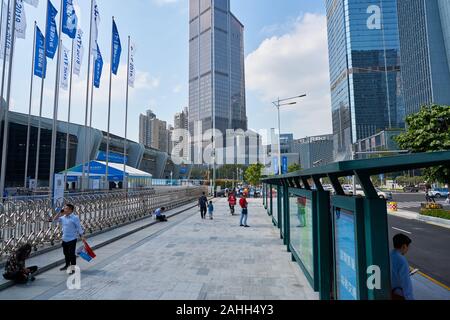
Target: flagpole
(27, 156)
(87, 100)
(109, 105)
(90, 125)
(68, 116)
(56, 105)
(1, 32)
(8, 101)
(5, 49)
(44, 74)
(125, 180)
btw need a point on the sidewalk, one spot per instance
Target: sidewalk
(416, 216)
(186, 258)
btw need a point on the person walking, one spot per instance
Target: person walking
(71, 229)
(211, 210)
(244, 215)
(232, 202)
(15, 269)
(203, 204)
(400, 275)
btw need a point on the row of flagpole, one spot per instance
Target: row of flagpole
(48, 47)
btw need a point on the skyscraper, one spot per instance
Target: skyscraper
(181, 120)
(216, 67)
(364, 53)
(424, 27)
(153, 132)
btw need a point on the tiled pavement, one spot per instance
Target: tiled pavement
(186, 258)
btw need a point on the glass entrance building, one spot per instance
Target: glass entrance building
(366, 86)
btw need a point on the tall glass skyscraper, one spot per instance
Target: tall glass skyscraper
(424, 27)
(216, 67)
(364, 54)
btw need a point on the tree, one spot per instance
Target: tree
(294, 168)
(429, 130)
(253, 174)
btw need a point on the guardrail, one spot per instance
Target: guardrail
(28, 221)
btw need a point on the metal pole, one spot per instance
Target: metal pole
(125, 181)
(1, 27)
(27, 155)
(8, 100)
(55, 108)
(38, 145)
(89, 146)
(279, 139)
(68, 116)
(5, 49)
(109, 109)
(87, 97)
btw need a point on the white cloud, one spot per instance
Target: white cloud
(292, 64)
(178, 88)
(161, 3)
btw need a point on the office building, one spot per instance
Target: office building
(153, 132)
(286, 142)
(382, 141)
(424, 28)
(314, 151)
(216, 68)
(364, 56)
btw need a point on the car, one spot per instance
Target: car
(381, 194)
(439, 193)
(411, 189)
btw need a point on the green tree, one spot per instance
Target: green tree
(429, 130)
(253, 174)
(294, 167)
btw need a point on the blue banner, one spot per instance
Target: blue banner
(70, 19)
(98, 68)
(276, 169)
(113, 157)
(51, 36)
(117, 49)
(284, 165)
(40, 60)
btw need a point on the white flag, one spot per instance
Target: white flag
(21, 20)
(95, 23)
(6, 26)
(132, 68)
(78, 53)
(34, 3)
(65, 68)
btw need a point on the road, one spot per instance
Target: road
(412, 201)
(430, 251)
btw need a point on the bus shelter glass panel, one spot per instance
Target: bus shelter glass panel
(301, 230)
(275, 205)
(281, 209)
(345, 255)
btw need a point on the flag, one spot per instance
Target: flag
(51, 36)
(5, 37)
(117, 49)
(70, 19)
(78, 54)
(86, 252)
(34, 3)
(40, 60)
(95, 23)
(65, 68)
(98, 68)
(21, 20)
(131, 67)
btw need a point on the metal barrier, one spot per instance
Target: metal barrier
(28, 221)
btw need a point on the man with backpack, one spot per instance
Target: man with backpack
(203, 204)
(244, 215)
(232, 201)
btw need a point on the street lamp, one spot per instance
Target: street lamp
(278, 104)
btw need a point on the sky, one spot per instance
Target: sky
(285, 49)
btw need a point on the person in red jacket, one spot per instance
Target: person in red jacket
(244, 215)
(232, 201)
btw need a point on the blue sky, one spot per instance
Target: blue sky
(283, 41)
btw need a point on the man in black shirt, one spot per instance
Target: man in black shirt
(203, 204)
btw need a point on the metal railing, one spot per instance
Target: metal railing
(29, 221)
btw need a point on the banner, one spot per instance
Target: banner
(78, 53)
(21, 20)
(131, 68)
(40, 60)
(95, 23)
(51, 36)
(98, 68)
(117, 49)
(70, 19)
(34, 3)
(65, 68)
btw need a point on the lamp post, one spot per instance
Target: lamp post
(278, 104)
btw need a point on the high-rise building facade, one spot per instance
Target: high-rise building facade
(424, 28)
(314, 151)
(153, 132)
(364, 54)
(181, 120)
(216, 67)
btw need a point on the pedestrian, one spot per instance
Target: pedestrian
(211, 210)
(15, 269)
(159, 214)
(232, 202)
(400, 275)
(71, 229)
(244, 215)
(203, 204)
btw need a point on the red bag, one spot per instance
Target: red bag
(89, 250)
